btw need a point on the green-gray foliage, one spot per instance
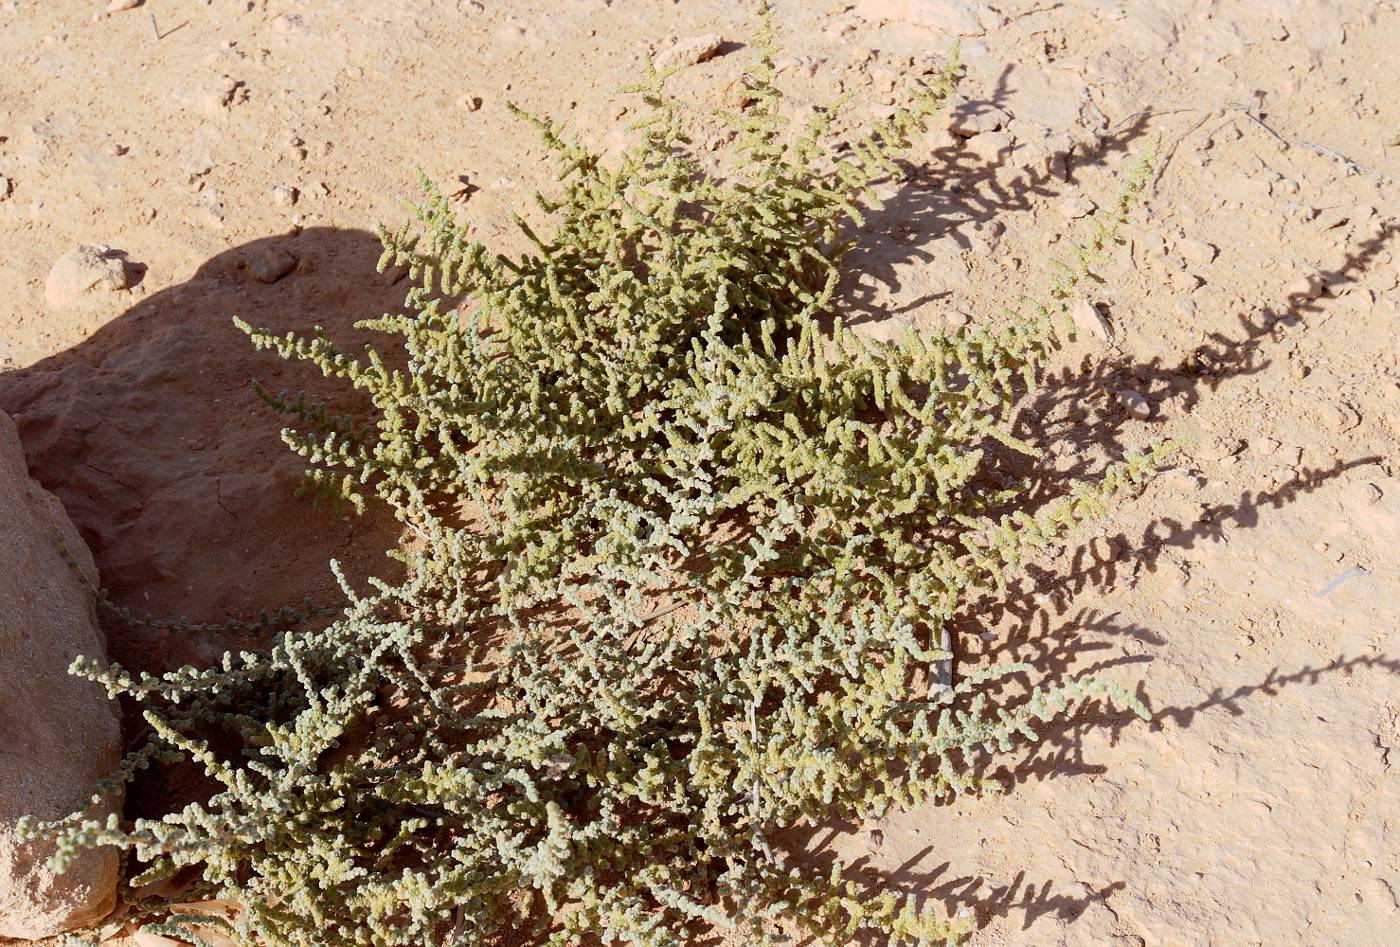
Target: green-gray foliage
(680, 564)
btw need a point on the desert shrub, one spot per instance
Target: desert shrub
(680, 569)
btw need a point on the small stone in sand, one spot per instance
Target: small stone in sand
(469, 102)
(217, 95)
(1134, 403)
(1308, 286)
(288, 23)
(81, 275)
(978, 118)
(1076, 207)
(991, 148)
(689, 52)
(1360, 496)
(1340, 417)
(284, 195)
(1218, 448)
(271, 264)
(1089, 321)
(1196, 251)
(117, 6)
(6, 188)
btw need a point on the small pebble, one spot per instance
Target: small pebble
(1134, 403)
(1328, 552)
(218, 95)
(1308, 286)
(978, 118)
(1151, 244)
(1183, 481)
(471, 103)
(1381, 895)
(210, 206)
(83, 275)
(1340, 417)
(1332, 217)
(1072, 208)
(1361, 495)
(1101, 549)
(1089, 321)
(689, 52)
(271, 264)
(991, 148)
(117, 6)
(1196, 251)
(284, 195)
(1219, 448)
(7, 187)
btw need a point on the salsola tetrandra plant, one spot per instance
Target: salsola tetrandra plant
(680, 563)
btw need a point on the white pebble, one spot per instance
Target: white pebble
(1134, 403)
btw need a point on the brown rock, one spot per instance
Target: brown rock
(270, 264)
(61, 734)
(392, 274)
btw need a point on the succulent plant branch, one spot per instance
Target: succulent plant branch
(640, 418)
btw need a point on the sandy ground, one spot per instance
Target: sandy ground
(1251, 594)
